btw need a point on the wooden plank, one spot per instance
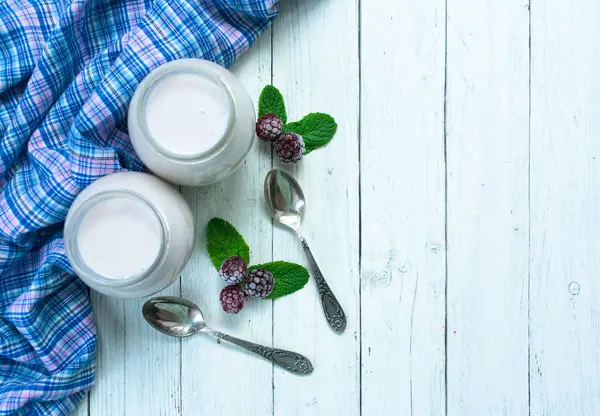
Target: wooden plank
(152, 363)
(402, 193)
(565, 207)
(138, 368)
(219, 379)
(108, 395)
(315, 64)
(487, 205)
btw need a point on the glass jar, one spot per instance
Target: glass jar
(191, 122)
(129, 234)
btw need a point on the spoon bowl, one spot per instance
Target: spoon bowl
(173, 316)
(284, 198)
(181, 318)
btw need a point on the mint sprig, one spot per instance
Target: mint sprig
(317, 129)
(271, 102)
(224, 241)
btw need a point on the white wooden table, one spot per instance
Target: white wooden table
(456, 215)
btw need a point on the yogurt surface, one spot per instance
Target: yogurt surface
(186, 113)
(120, 237)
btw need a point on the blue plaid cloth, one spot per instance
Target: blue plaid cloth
(68, 69)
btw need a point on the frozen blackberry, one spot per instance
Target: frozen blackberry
(289, 147)
(269, 127)
(233, 270)
(232, 299)
(259, 283)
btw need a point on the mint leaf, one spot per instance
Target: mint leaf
(271, 102)
(224, 241)
(317, 129)
(289, 277)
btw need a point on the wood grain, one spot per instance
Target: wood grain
(565, 207)
(487, 159)
(402, 202)
(138, 368)
(221, 379)
(152, 363)
(315, 64)
(108, 395)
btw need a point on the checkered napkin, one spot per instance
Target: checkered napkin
(68, 69)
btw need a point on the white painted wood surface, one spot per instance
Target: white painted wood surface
(565, 208)
(487, 148)
(455, 215)
(402, 218)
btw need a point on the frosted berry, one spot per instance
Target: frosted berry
(233, 270)
(289, 147)
(269, 127)
(259, 283)
(232, 299)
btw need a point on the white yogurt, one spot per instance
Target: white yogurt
(120, 237)
(129, 234)
(187, 114)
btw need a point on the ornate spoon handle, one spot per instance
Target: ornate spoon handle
(291, 361)
(336, 318)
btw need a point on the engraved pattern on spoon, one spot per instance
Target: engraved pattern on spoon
(289, 360)
(336, 318)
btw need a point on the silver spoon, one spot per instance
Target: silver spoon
(285, 202)
(181, 318)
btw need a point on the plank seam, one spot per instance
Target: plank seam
(180, 356)
(446, 207)
(124, 357)
(410, 342)
(272, 33)
(529, 230)
(359, 131)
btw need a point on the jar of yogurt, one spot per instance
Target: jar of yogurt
(129, 234)
(191, 122)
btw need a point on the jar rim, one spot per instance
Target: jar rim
(184, 66)
(72, 247)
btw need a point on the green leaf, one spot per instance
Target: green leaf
(224, 241)
(289, 277)
(271, 102)
(317, 129)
